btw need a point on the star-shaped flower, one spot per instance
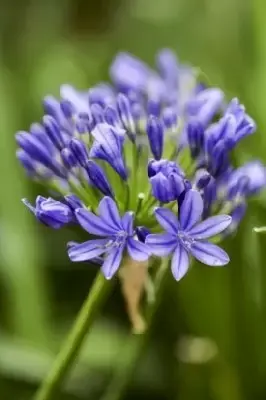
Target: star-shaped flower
(118, 235)
(186, 235)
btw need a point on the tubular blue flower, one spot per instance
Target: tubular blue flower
(79, 99)
(129, 73)
(186, 235)
(117, 235)
(245, 125)
(53, 131)
(155, 134)
(68, 158)
(108, 147)
(73, 202)
(27, 162)
(34, 146)
(237, 215)
(167, 180)
(51, 212)
(205, 105)
(98, 178)
(195, 135)
(125, 114)
(79, 150)
(255, 172)
(102, 94)
(167, 64)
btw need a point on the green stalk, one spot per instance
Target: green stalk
(71, 348)
(136, 344)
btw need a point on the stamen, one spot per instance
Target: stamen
(141, 197)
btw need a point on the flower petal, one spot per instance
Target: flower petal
(167, 219)
(210, 227)
(209, 254)
(93, 224)
(112, 261)
(190, 210)
(109, 213)
(161, 244)
(87, 250)
(137, 250)
(127, 222)
(180, 262)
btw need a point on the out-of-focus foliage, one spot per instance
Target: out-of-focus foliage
(208, 339)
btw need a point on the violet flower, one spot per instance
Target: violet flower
(186, 235)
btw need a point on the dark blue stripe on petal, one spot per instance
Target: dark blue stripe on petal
(92, 223)
(190, 210)
(209, 254)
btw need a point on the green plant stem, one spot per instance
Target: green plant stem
(73, 343)
(135, 344)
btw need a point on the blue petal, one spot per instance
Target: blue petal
(180, 262)
(168, 66)
(210, 227)
(206, 104)
(79, 150)
(27, 162)
(124, 109)
(161, 244)
(68, 158)
(128, 72)
(108, 135)
(167, 219)
(112, 261)
(93, 224)
(109, 213)
(53, 131)
(161, 188)
(79, 99)
(98, 178)
(155, 134)
(74, 202)
(108, 147)
(209, 254)
(87, 250)
(190, 210)
(127, 222)
(138, 251)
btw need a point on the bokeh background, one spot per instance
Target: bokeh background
(208, 338)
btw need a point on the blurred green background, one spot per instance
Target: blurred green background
(208, 339)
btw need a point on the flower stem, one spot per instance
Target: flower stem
(135, 344)
(73, 343)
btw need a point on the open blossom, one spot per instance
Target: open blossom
(122, 157)
(118, 234)
(186, 235)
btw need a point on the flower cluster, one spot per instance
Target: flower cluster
(148, 152)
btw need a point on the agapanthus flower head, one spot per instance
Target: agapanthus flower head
(149, 151)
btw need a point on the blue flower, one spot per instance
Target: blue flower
(167, 180)
(129, 73)
(118, 233)
(205, 105)
(186, 235)
(51, 212)
(98, 178)
(155, 132)
(254, 172)
(108, 146)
